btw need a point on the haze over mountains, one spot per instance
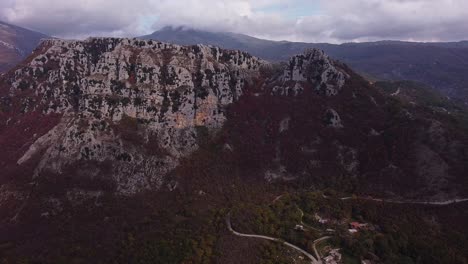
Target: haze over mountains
(440, 65)
(16, 43)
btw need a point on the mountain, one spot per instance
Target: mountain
(16, 43)
(440, 65)
(128, 150)
(269, 50)
(108, 106)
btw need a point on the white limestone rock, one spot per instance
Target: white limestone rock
(100, 84)
(316, 68)
(333, 119)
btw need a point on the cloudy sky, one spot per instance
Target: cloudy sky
(296, 20)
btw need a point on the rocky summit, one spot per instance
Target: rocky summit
(125, 111)
(157, 130)
(137, 104)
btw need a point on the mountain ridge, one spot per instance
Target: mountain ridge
(170, 30)
(16, 43)
(439, 65)
(106, 96)
(144, 145)
(163, 94)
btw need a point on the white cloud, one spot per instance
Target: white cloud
(395, 19)
(75, 17)
(333, 21)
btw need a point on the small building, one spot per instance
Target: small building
(334, 257)
(320, 219)
(353, 231)
(357, 225)
(328, 259)
(299, 227)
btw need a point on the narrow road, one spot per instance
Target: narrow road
(449, 202)
(306, 225)
(277, 198)
(441, 203)
(312, 258)
(315, 244)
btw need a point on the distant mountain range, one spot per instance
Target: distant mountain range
(16, 43)
(441, 65)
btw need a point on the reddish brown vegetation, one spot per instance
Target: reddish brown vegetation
(16, 138)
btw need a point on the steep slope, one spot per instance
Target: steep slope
(114, 95)
(440, 65)
(16, 43)
(107, 139)
(354, 137)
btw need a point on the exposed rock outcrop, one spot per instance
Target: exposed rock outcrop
(118, 95)
(316, 68)
(126, 111)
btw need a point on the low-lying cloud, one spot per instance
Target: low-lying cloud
(320, 21)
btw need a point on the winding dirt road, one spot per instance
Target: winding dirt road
(307, 254)
(306, 225)
(315, 244)
(440, 203)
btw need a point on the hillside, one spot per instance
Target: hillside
(440, 65)
(124, 149)
(16, 43)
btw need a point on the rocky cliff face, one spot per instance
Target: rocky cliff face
(316, 69)
(106, 138)
(124, 112)
(139, 105)
(385, 60)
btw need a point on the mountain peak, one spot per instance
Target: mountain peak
(15, 44)
(315, 67)
(102, 87)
